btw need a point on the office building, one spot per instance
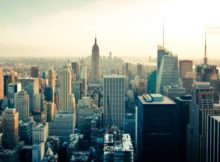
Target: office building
(22, 105)
(34, 72)
(38, 151)
(167, 69)
(76, 70)
(114, 100)
(151, 82)
(10, 128)
(173, 91)
(51, 111)
(183, 106)
(49, 94)
(52, 78)
(31, 86)
(95, 63)
(213, 139)
(185, 66)
(156, 129)
(67, 100)
(201, 107)
(13, 89)
(25, 132)
(40, 132)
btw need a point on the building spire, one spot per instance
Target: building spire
(95, 40)
(205, 58)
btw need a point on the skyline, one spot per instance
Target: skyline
(126, 28)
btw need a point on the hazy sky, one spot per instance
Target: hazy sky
(124, 27)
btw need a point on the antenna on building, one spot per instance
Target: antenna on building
(205, 58)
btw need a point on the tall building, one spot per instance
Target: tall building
(1, 85)
(185, 66)
(13, 89)
(213, 139)
(38, 151)
(114, 100)
(40, 133)
(31, 85)
(183, 106)
(10, 128)
(66, 97)
(167, 69)
(25, 132)
(151, 82)
(83, 78)
(52, 78)
(95, 63)
(22, 105)
(34, 72)
(156, 129)
(200, 108)
(140, 71)
(76, 69)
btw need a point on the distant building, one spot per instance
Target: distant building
(156, 129)
(31, 85)
(151, 82)
(140, 71)
(67, 100)
(167, 69)
(22, 105)
(185, 66)
(35, 72)
(173, 91)
(114, 100)
(201, 107)
(95, 63)
(205, 72)
(76, 69)
(1, 85)
(52, 78)
(10, 128)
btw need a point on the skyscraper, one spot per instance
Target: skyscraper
(185, 66)
(95, 63)
(52, 78)
(1, 85)
(201, 106)
(10, 128)
(140, 71)
(66, 96)
(76, 69)
(167, 69)
(22, 105)
(114, 100)
(156, 129)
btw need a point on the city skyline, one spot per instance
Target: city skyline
(126, 28)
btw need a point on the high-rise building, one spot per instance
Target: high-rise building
(140, 71)
(31, 86)
(1, 85)
(38, 151)
(67, 99)
(13, 89)
(76, 69)
(201, 106)
(25, 132)
(185, 66)
(95, 63)
(34, 72)
(51, 111)
(114, 100)
(151, 82)
(83, 78)
(10, 128)
(49, 94)
(183, 106)
(52, 78)
(156, 129)
(167, 69)
(213, 139)
(40, 132)
(22, 105)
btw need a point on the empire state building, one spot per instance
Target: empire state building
(95, 63)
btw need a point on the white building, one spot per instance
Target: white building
(22, 105)
(114, 100)
(40, 133)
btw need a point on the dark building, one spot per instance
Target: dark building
(48, 93)
(183, 105)
(34, 72)
(25, 132)
(157, 129)
(95, 63)
(76, 69)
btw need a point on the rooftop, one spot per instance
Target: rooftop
(155, 99)
(216, 118)
(114, 76)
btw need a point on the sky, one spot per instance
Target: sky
(67, 28)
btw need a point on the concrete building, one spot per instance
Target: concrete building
(167, 69)
(10, 128)
(22, 105)
(156, 129)
(114, 100)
